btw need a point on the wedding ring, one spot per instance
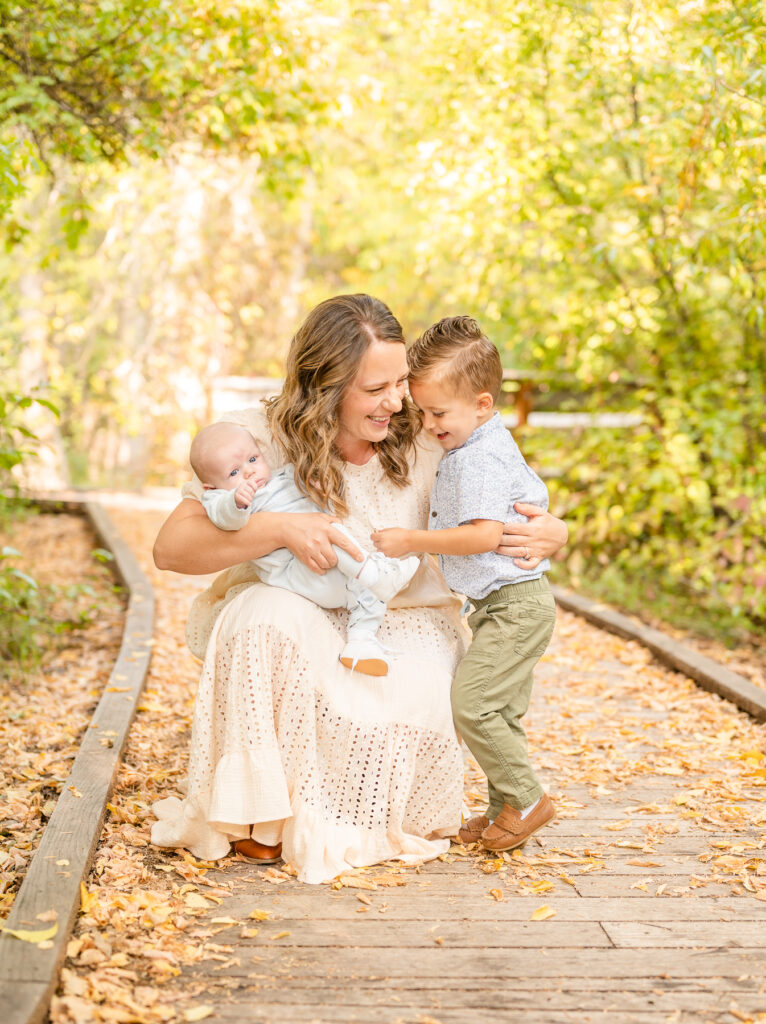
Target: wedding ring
(526, 554)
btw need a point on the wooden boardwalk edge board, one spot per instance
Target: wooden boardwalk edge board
(29, 972)
(709, 674)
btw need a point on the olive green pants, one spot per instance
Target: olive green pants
(490, 694)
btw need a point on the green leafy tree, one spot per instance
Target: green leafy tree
(588, 180)
(98, 80)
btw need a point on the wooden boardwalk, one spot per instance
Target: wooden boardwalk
(644, 902)
(646, 888)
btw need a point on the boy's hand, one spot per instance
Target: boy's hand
(393, 542)
(244, 494)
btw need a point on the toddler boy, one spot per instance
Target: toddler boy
(237, 481)
(455, 379)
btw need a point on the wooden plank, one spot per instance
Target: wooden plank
(583, 987)
(280, 1013)
(52, 882)
(663, 934)
(599, 885)
(387, 964)
(373, 931)
(405, 905)
(622, 844)
(617, 863)
(493, 992)
(709, 674)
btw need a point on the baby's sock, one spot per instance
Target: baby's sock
(369, 573)
(528, 810)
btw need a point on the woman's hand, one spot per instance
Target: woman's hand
(392, 542)
(528, 543)
(310, 537)
(188, 542)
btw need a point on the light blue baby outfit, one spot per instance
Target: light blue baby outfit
(338, 588)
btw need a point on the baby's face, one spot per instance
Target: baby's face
(238, 458)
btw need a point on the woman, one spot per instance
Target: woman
(288, 746)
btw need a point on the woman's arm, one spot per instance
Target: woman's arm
(541, 536)
(189, 543)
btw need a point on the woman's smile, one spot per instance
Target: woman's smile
(372, 398)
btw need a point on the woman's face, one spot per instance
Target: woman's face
(372, 397)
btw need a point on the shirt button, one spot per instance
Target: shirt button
(433, 515)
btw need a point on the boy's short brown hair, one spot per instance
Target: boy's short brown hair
(457, 352)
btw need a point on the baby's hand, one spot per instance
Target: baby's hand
(393, 542)
(244, 494)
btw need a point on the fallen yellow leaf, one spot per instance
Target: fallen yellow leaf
(198, 1013)
(27, 936)
(88, 900)
(195, 901)
(542, 885)
(355, 882)
(259, 915)
(543, 913)
(755, 756)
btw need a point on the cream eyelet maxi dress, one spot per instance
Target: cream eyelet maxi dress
(344, 769)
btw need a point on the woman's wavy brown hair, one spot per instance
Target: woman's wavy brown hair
(322, 362)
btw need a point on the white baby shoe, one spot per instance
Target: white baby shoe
(364, 653)
(393, 575)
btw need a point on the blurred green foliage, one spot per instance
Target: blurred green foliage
(102, 80)
(17, 441)
(588, 179)
(21, 614)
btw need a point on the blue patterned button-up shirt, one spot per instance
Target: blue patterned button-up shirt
(481, 480)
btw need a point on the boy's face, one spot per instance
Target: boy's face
(236, 459)
(450, 418)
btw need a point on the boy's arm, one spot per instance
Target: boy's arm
(472, 538)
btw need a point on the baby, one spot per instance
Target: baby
(238, 481)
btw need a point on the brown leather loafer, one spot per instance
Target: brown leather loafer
(510, 830)
(258, 853)
(470, 831)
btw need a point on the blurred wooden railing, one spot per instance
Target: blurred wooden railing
(519, 386)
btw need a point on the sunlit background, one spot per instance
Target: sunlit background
(181, 182)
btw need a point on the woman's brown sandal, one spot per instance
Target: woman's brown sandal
(258, 853)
